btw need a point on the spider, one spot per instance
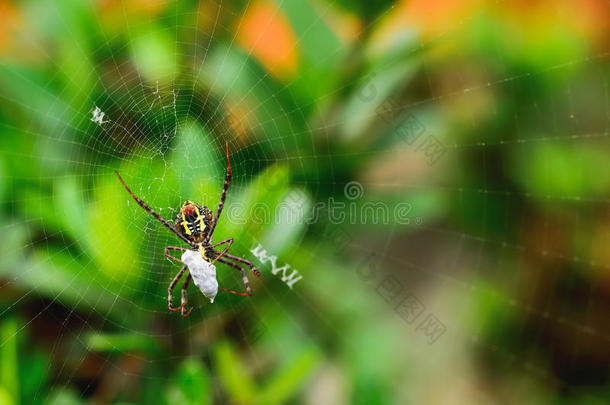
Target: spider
(195, 226)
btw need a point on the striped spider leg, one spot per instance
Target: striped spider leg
(183, 299)
(213, 225)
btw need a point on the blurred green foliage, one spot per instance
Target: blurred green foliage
(506, 239)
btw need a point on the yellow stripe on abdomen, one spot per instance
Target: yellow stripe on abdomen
(185, 224)
(200, 218)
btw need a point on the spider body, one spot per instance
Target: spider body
(193, 221)
(207, 252)
(195, 225)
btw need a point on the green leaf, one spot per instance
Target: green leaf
(35, 206)
(14, 238)
(9, 374)
(233, 375)
(154, 54)
(288, 220)
(192, 385)
(78, 73)
(235, 77)
(64, 396)
(561, 169)
(361, 110)
(196, 161)
(5, 397)
(127, 342)
(320, 49)
(71, 210)
(253, 209)
(107, 232)
(2, 174)
(62, 278)
(317, 41)
(33, 374)
(285, 382)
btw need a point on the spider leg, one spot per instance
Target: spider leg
(223, 197)
(244, 261)
(243, 276)
(184, 312)
(171, 288)
(154, 214)
(168, 248)
(229, 242)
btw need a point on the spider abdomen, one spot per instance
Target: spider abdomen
(193, 225)
(193, 220)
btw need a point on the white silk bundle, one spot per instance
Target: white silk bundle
(204, 274)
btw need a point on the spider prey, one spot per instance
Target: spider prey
(195, 226)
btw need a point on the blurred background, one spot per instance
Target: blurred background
(436, 173)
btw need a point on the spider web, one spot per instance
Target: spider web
(100, 271)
